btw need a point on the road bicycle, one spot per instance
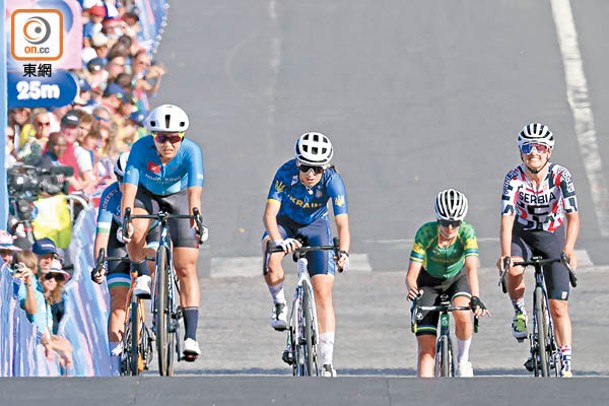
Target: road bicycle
(165, 296)
(303, 332)
(136, 345)
(445, 362)
(544, 359)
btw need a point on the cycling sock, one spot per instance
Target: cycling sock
(519, 305)
(141, 267)
(277, 293)
(326, 347)
(565, 353)
(463, 349)
(191, 319)
(115, 361)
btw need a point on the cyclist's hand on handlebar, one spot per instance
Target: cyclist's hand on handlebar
(200, 236)
(125, 238)
(414, 292)
(342, 261)
(288, 245)
(478, 307)
(98, 276)
(500, 262)
(572, 258)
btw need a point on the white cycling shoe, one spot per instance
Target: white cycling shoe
(191, 350)
(465, 370)
(328, 371)
(142, 287)
(279, 316)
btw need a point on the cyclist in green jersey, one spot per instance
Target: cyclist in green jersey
(444, 261)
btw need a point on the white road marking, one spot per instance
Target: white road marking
(249, 267)
(577, 95)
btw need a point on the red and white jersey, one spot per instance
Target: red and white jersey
(541, 208)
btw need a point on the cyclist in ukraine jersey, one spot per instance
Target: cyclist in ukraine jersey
(541, 207)
(165, 173)
(146, 169)
(303, 204)
(297, 208)
(539, 217)
(444, 262)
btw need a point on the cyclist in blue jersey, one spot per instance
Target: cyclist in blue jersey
(165, 172)
(297, 207)
(119, 280)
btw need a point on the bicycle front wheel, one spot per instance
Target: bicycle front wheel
(134, 355)
(541, 330)
(443, 357)
(164, 341)
(309, 332)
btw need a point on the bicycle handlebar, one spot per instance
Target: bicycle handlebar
(299, 252)
(101, 258)
(161, 216)
(537, 261)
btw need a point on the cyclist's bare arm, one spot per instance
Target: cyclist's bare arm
(194, 200)
(344, 235)
(101, 241)
(414, 268)
(507, 225)
(128, 200)
(270, 219)
(472, 264)
(571, 237)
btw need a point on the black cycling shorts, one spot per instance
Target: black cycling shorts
(176, 203)
(433, 290)
(530, 243)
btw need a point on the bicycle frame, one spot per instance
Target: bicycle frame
(136, 342)
(303, 330)
(445, 358)
(165, 294)
(545, 355)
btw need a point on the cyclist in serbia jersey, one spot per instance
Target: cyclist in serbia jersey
(165, 172)
(297, 207)
(444, 261)
(538, 198)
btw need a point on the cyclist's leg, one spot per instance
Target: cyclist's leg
(185, 255)
(118, 281)
(557, 283)
(427, 324)
(322, 269)
(275, 277)
(460, 295)
(516, 285)
(137, 247)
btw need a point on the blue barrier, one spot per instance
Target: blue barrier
(84, 323)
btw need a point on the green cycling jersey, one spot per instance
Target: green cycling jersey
(446, 262)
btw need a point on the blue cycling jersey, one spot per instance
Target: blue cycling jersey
(183, 171)
(109, 208)
(302, 204)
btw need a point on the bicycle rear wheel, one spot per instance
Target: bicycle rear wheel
(541, 330)
(126, 361)
(164, 341)
(134, 355)
(310, 332)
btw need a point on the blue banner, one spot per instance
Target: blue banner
(3, 115)
(56, 90)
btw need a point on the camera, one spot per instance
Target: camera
(19, 269)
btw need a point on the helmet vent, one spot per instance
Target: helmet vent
(167, 120)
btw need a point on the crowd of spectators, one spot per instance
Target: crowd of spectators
(117, 78)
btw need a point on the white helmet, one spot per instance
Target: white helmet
(313, 149)
(450, 204)
(536, 133)
(121, 164)
(167, 118)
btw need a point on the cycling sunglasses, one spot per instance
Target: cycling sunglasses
(306, 168)
(528, 148)
(54, 275)
(446, 223)
(174, 138)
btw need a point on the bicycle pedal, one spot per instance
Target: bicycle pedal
(520, 340)
(287, 357)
